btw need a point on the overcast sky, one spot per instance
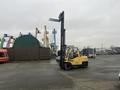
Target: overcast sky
(88, 22)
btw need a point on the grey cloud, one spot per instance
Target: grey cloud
(88, 22)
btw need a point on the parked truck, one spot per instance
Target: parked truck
(89, 52)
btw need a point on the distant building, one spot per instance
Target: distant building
(116, 50)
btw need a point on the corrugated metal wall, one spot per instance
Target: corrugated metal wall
(44, 53)
(11, 53)
(21, 54)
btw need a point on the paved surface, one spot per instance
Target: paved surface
(102, 74)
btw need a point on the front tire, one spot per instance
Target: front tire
(67, 66)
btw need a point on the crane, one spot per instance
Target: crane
(54, 32)
(10, 41)
(53, 45)
(2, 41)
(45, 38)
(37, 32)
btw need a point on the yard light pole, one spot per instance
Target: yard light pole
(62, 45)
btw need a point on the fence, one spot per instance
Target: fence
(35, 53)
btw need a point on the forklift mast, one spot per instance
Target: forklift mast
(62, 46)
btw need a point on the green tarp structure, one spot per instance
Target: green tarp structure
(26, 41)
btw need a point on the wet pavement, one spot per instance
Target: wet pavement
(102, 74)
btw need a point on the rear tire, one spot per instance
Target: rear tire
(67, 66)
(85, 64)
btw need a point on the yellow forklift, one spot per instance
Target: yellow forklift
(73, 58)
(68, 57)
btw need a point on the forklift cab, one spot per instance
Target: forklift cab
(70, 53)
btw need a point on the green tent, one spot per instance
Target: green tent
(26, 41)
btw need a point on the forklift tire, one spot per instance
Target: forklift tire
(85, 64)
(67, 66)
